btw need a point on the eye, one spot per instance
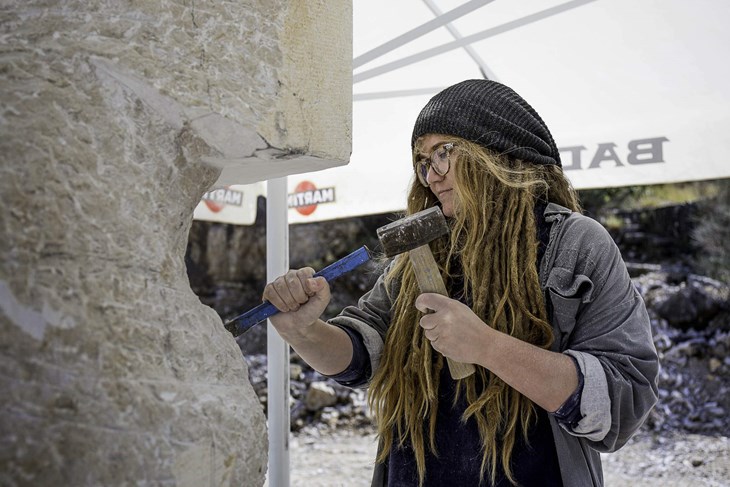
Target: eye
(442, 153)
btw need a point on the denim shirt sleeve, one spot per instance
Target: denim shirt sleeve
(600, 320)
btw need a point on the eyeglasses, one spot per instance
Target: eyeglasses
(439, 160)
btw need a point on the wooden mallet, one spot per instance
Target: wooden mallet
(412, 234)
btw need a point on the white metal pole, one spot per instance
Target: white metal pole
(486, 72)
(277, 263)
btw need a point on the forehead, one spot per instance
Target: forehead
(429, 142)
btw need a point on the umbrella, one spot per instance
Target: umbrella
(633, 92)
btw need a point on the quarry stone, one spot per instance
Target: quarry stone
(115, 118)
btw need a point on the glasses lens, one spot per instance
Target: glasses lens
(440, 159)
(422, 172)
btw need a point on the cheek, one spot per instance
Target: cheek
(450, 204)
(454, 202)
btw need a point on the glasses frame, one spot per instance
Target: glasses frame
(421, 165)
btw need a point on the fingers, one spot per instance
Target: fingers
(428, 302)
(314, 285)
(437, 317)
(428, 321)
(431, 304)
(431, 331)
(291, 290)
(431, 334)
(451, 327)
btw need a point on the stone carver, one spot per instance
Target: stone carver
(539, 302)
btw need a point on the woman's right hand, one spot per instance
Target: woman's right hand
(300, 298)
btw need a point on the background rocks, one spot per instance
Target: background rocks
(692, 338)
(690, 319)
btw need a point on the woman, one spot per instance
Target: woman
(540, 301)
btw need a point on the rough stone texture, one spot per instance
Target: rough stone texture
(267, 84)
(111, 370)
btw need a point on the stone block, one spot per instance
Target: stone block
(116, 117)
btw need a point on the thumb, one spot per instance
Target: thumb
(315, 285)
(430, 302)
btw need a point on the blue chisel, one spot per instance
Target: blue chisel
(242, 323)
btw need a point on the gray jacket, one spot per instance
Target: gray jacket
(598, 318)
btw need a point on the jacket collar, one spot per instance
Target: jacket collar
(553, 211)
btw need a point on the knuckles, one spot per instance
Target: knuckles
(279, 283)
(304, 273)
(290, 289)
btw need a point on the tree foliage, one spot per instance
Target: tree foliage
(712, 234)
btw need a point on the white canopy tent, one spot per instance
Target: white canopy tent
(634, 93)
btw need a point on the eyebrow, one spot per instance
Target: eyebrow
(420, 154)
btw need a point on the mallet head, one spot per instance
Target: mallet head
(412, 231)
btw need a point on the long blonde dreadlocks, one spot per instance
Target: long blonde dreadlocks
(493, 235)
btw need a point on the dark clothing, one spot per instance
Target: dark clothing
(535, 463)
(459, 451)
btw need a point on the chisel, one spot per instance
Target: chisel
(242, 323)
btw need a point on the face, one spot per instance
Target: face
(441, 186)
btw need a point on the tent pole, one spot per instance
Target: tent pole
(486, 72)
(419, 31)
(465, 41)
(277, 264)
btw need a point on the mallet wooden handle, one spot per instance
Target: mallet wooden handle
(430, 281)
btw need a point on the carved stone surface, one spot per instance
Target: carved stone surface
(116, 117)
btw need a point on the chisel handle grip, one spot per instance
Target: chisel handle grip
(242, 323)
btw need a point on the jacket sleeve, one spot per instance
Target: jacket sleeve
(370, 318)
(601, 321)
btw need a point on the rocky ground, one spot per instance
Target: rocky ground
(344, 458)
(684, 442)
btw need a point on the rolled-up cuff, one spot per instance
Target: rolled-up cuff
(569, 413)
(371, 339)
(357, 373)
(595, 403)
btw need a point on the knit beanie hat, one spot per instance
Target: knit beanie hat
(492, 115)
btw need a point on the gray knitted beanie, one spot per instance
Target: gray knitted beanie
(492, 115)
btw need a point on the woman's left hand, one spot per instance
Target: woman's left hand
(452, 328)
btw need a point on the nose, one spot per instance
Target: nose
(432, 176)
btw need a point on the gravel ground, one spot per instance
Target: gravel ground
(344, 458)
